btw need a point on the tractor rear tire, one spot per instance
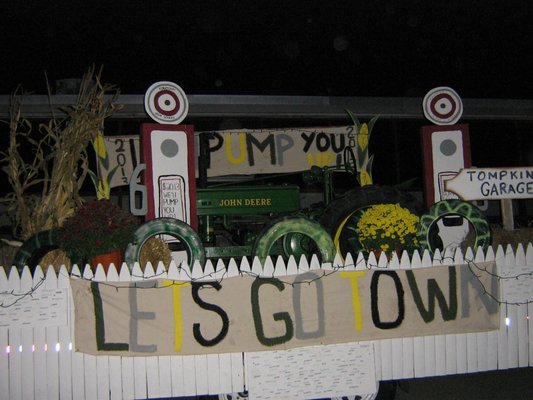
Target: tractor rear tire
(341, 216)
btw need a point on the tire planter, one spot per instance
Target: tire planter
(166, 226)
(341, 216)
(295, 232)
(427, 238)
(35, 247)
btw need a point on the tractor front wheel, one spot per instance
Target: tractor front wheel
(294, 236)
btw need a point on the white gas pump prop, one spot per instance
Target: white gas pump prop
(446, 150)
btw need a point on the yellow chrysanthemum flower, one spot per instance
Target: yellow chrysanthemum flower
(387, 227)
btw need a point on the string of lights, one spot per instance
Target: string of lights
(11, 298)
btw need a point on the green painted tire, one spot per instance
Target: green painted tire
(166, 226)
(453, 207)
(35, 247)
(293, 229)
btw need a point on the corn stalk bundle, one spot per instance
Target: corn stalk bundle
(52, 162)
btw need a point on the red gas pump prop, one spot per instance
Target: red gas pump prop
(167, 150)
(446, 150)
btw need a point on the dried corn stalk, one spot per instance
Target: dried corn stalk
(55, 161)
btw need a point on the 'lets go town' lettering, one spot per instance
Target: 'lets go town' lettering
(254, 314)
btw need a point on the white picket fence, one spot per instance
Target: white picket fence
(38, 362)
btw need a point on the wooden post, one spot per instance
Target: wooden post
(506, 206)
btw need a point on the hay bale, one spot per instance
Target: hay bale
(155, 250)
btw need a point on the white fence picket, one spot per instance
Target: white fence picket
(430, 350)
(503, 361)
(152, 362)
(512, 316)
(482, 349)
(173, 363)
(139, 363)
(126, 374)
(114, 366)
(522, 316)
(39, 340)
(406, 356)
(4, 338)
(26, 342)
(164, 364)
(461, 340)
(78, 384)
(41, 361)
(492, 337)
(529, 288)
(235, 374)
(213, 360)
(200, 361)
(15, 357)
(418, 342)
(385, 345)
(64, 337)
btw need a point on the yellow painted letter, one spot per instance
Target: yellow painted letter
(242, 147)
(176, 303)
(356, 298)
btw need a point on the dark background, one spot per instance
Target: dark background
(481, 48)
(371, 48)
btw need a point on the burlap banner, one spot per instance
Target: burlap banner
(246, 151)
(246, 313)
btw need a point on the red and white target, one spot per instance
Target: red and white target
(443, 106)
(166, 103)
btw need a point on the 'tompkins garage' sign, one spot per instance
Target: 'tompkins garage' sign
(492, 183)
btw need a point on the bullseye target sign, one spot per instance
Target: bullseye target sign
(166, 103)
(443, 106)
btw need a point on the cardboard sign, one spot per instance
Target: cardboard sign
(256, 314)
(492, 183)
(123, 153)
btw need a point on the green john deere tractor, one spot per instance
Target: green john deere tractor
(262, 217)
(268, 216)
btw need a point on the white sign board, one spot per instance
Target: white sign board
(334, 370)
(43, 307)
(492, 183)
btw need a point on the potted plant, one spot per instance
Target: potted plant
(98, 228)
(387, 228)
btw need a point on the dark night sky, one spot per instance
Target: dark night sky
(481, 48)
